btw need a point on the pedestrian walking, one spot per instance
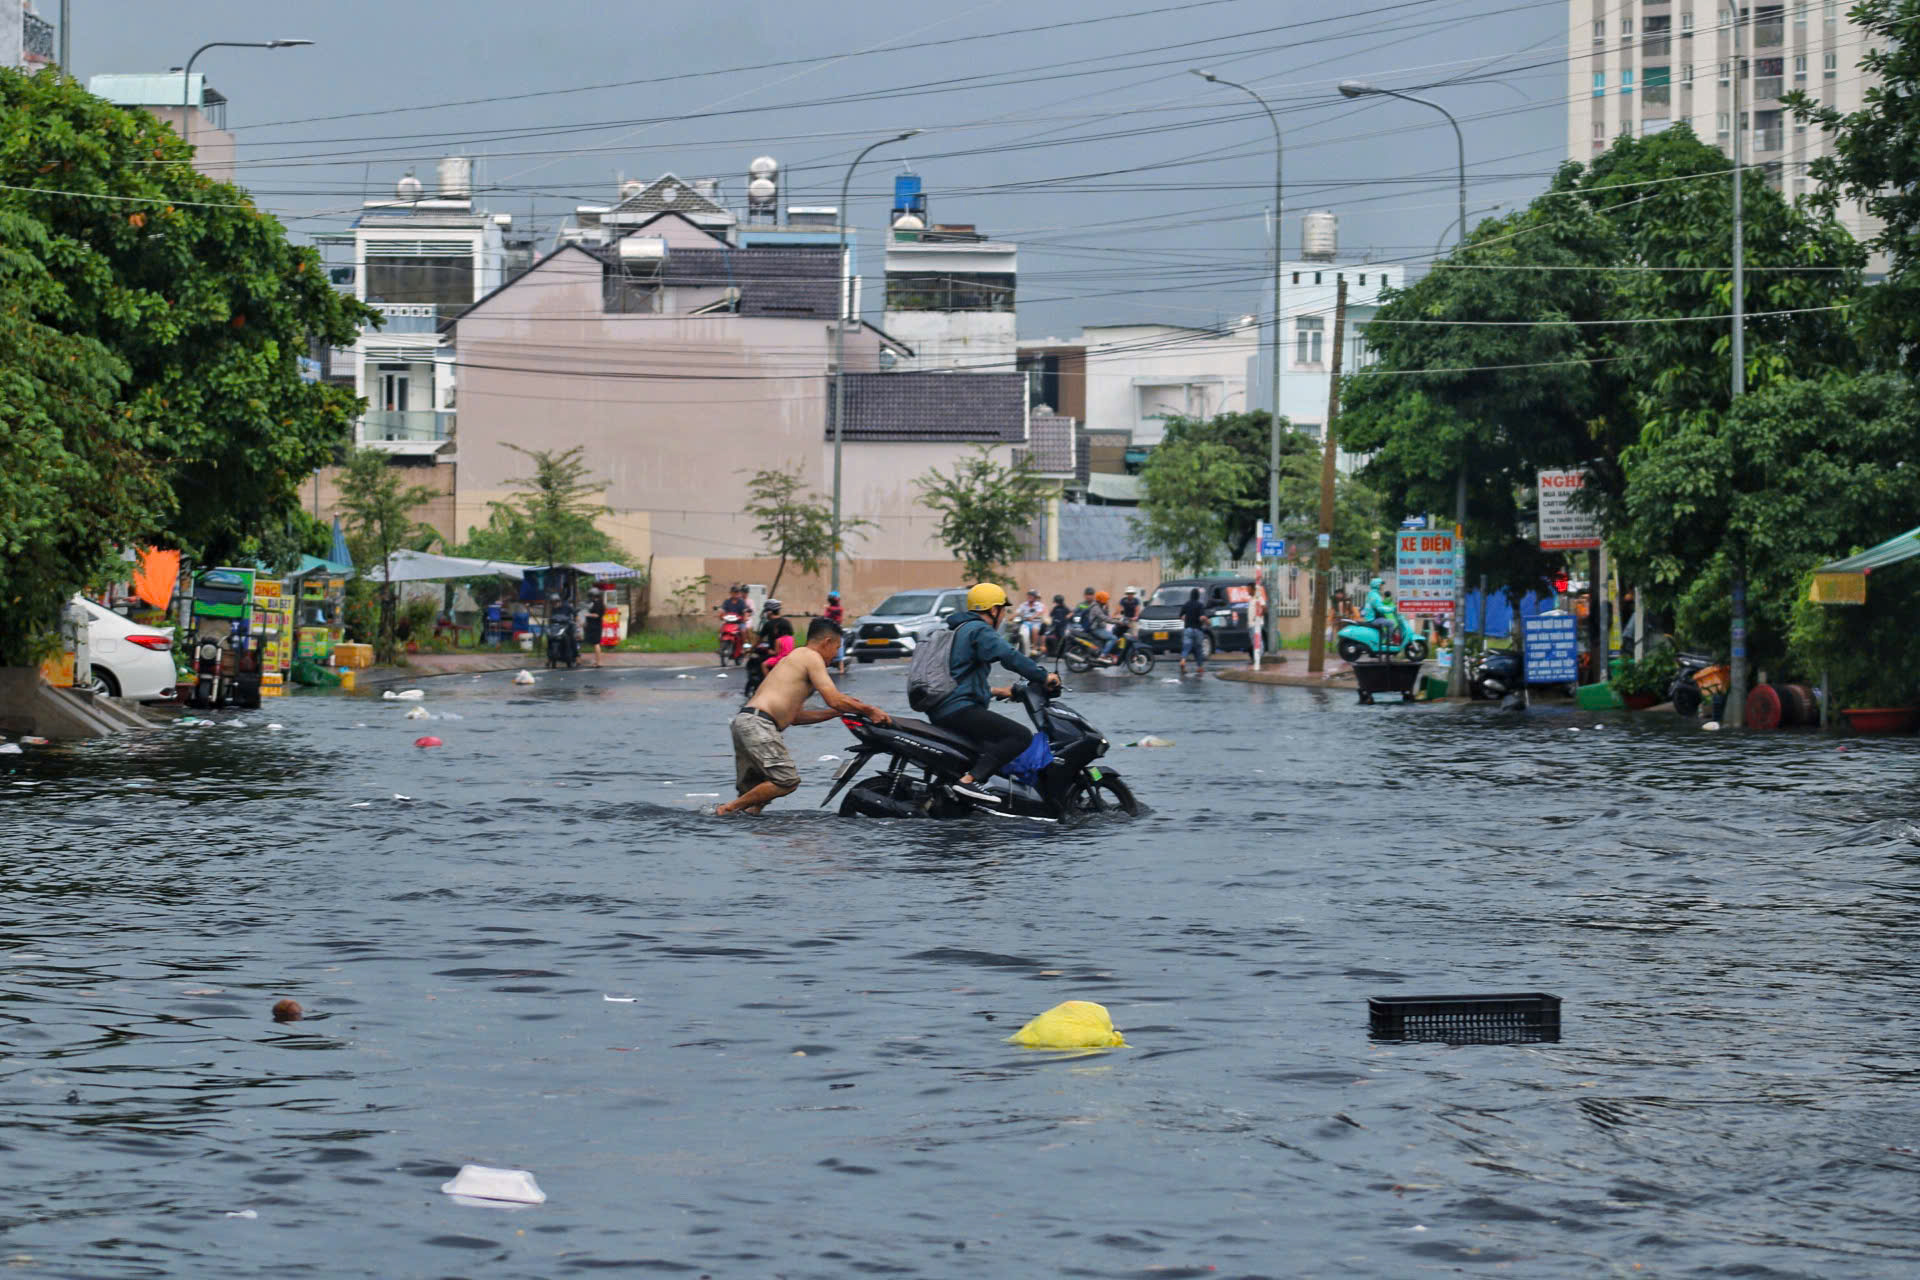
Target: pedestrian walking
(1193, 633)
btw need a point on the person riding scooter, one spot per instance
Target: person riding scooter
(1097, 623)
(964, 711)
(1379, 612)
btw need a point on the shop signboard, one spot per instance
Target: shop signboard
(1564, 526)
(1552, 648)
(1425, 571)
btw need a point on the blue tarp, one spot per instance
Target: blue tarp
(1499, 613)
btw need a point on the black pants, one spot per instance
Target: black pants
(997, 738)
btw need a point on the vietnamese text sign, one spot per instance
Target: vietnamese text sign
(1272, 545)
(1563, 526)
(1425, 570)
(1552, 648)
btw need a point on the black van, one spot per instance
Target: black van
(1227, 597)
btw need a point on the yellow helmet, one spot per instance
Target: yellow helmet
(985, 595)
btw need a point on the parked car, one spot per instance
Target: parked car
(129, 660)
(902, 621)
(1227, 599)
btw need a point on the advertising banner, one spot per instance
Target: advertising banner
(1563, 526)
(1426, 569)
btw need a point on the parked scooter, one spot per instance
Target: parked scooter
(226, 671)
(1360, 639)
(1494, 673)
(1081, 652)
(924, 760)
(563, 638)
(1685, 693)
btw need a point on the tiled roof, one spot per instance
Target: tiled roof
(983, 408)
(668, 194)
(786, 281)
(1050, 440)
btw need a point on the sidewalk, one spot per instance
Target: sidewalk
(425, 666)
(1291, 669)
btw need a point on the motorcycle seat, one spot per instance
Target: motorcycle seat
(927, 729)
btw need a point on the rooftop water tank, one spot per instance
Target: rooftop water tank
(1319, 236)
(761, 191)
(456, 178)
(631, 188)
(763, 167)
(409, 187)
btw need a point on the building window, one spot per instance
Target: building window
(1830, 65)
(1626, 28)
(1686, 73)
(1600, 31)
(1726, 73)
(1800, 14)
(1829, 11)
(950, 291)
(1316, 277)
(1724, 124)
(1800, 68)
(1599, 130)
(394, 384)
(1363, 279)
(1626, 80)
(1308, 334)
(1599, 83)
(1726, 17)
(1686, 23)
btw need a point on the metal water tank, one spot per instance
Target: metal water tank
(761, 191)
(456, 178)
(763, 167)
(1319, 236)
(409, 187)
(631, 188)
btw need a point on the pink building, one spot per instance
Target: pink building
(682, 362)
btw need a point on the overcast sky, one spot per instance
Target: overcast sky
(1135, 190)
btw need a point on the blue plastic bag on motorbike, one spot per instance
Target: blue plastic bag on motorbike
(1026, 766)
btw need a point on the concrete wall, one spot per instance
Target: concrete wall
(321, 495)
(213, 153)
(1136, 371)
(965, 341)
(674, 412)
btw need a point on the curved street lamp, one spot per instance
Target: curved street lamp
(186, 76)
(840, 342)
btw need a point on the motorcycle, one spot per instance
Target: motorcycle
(563, 641)
(733, 638)
(1081, 652)
(1360, 639)
(1698, 678)
(225, 672)
(923, 760)
(756, 667)
(1494, 673)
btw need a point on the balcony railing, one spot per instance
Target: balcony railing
(1767, 139)
(1769, 35)
(410, 425)
(1657, 95)
(1659, 46)
(36, 37)
(1768, 87)
(410, 317)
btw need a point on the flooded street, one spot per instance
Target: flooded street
(776, 1046)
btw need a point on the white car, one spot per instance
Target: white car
(129, 660)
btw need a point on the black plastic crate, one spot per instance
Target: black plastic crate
(1518, 1017)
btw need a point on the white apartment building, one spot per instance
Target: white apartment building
(26, 39)
(422, 259)
(1140, 375)
(1637, 68)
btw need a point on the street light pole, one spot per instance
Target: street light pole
(186, 77)
(1456, 671)
(1274, 338)
(1736, 713)
(840, 341)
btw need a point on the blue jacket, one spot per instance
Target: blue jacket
(974, 652)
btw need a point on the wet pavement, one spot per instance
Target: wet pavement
(775, 1047)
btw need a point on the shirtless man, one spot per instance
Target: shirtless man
(764, 770)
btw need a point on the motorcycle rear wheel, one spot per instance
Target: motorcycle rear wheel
(1140, 660)
(724, 646)
(1105, 794)
(1687, 699)
(1416, 651)
(1351, 650)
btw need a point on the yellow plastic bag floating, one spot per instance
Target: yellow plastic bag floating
(1075, 1024)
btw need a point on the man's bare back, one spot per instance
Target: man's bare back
(800, 674)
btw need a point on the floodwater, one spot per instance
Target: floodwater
(775, 1046)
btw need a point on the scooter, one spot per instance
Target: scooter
(226, 672)
(1081, 652)
(1494, 674)
(756, 667)
(923, 760)
(1362, 639)
(563, 641)
(733, 638)
(1685, 693)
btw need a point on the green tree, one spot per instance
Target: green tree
(1182, 513)
(551, 519)
(1869, 653)
(198, 295)
(1796, 474)
(794, 524)
(1244, 506)
(75, 481)
(379, 514)
(1362, 531)
(986, 508)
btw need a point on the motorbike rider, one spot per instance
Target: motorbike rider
(1032, 616)
(1060, 615)
(1379, 612)
(1129, 607)
(964, 711)
(836, 613)
(1096, 623)
(776, 632)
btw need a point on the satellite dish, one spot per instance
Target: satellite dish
(409, 187)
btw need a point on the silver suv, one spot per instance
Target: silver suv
(902, 621)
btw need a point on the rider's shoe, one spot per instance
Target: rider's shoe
(973, 792)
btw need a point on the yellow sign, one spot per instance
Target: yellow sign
(1839, 588)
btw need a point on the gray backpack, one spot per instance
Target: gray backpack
(930, 675)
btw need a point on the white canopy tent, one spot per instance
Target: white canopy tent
(422, 566)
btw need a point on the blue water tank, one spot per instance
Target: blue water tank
(907, 197)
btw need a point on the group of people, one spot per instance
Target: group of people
(1036, 623)
(776, 629)
(763, 767)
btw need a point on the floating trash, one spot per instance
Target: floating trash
(398, 796)
(243, 1213)
(288, 1011)
(33, 740)
(618, 999)
(419, 713)
(236, 724)
(721, 676)
(10, 749)
(825, 759)
(703, 795)
(510, 1186)
(1151, 741)
(1711, 725)
(275, 728)
(405, 695)
(1074, 1024)
(428, 741)
(451, 715)
(362, 804)
(523, 677)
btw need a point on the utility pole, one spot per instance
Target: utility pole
(66, 43)
(1736, 712)
(1323, 558)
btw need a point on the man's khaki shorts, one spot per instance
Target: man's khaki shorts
(760, 754)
